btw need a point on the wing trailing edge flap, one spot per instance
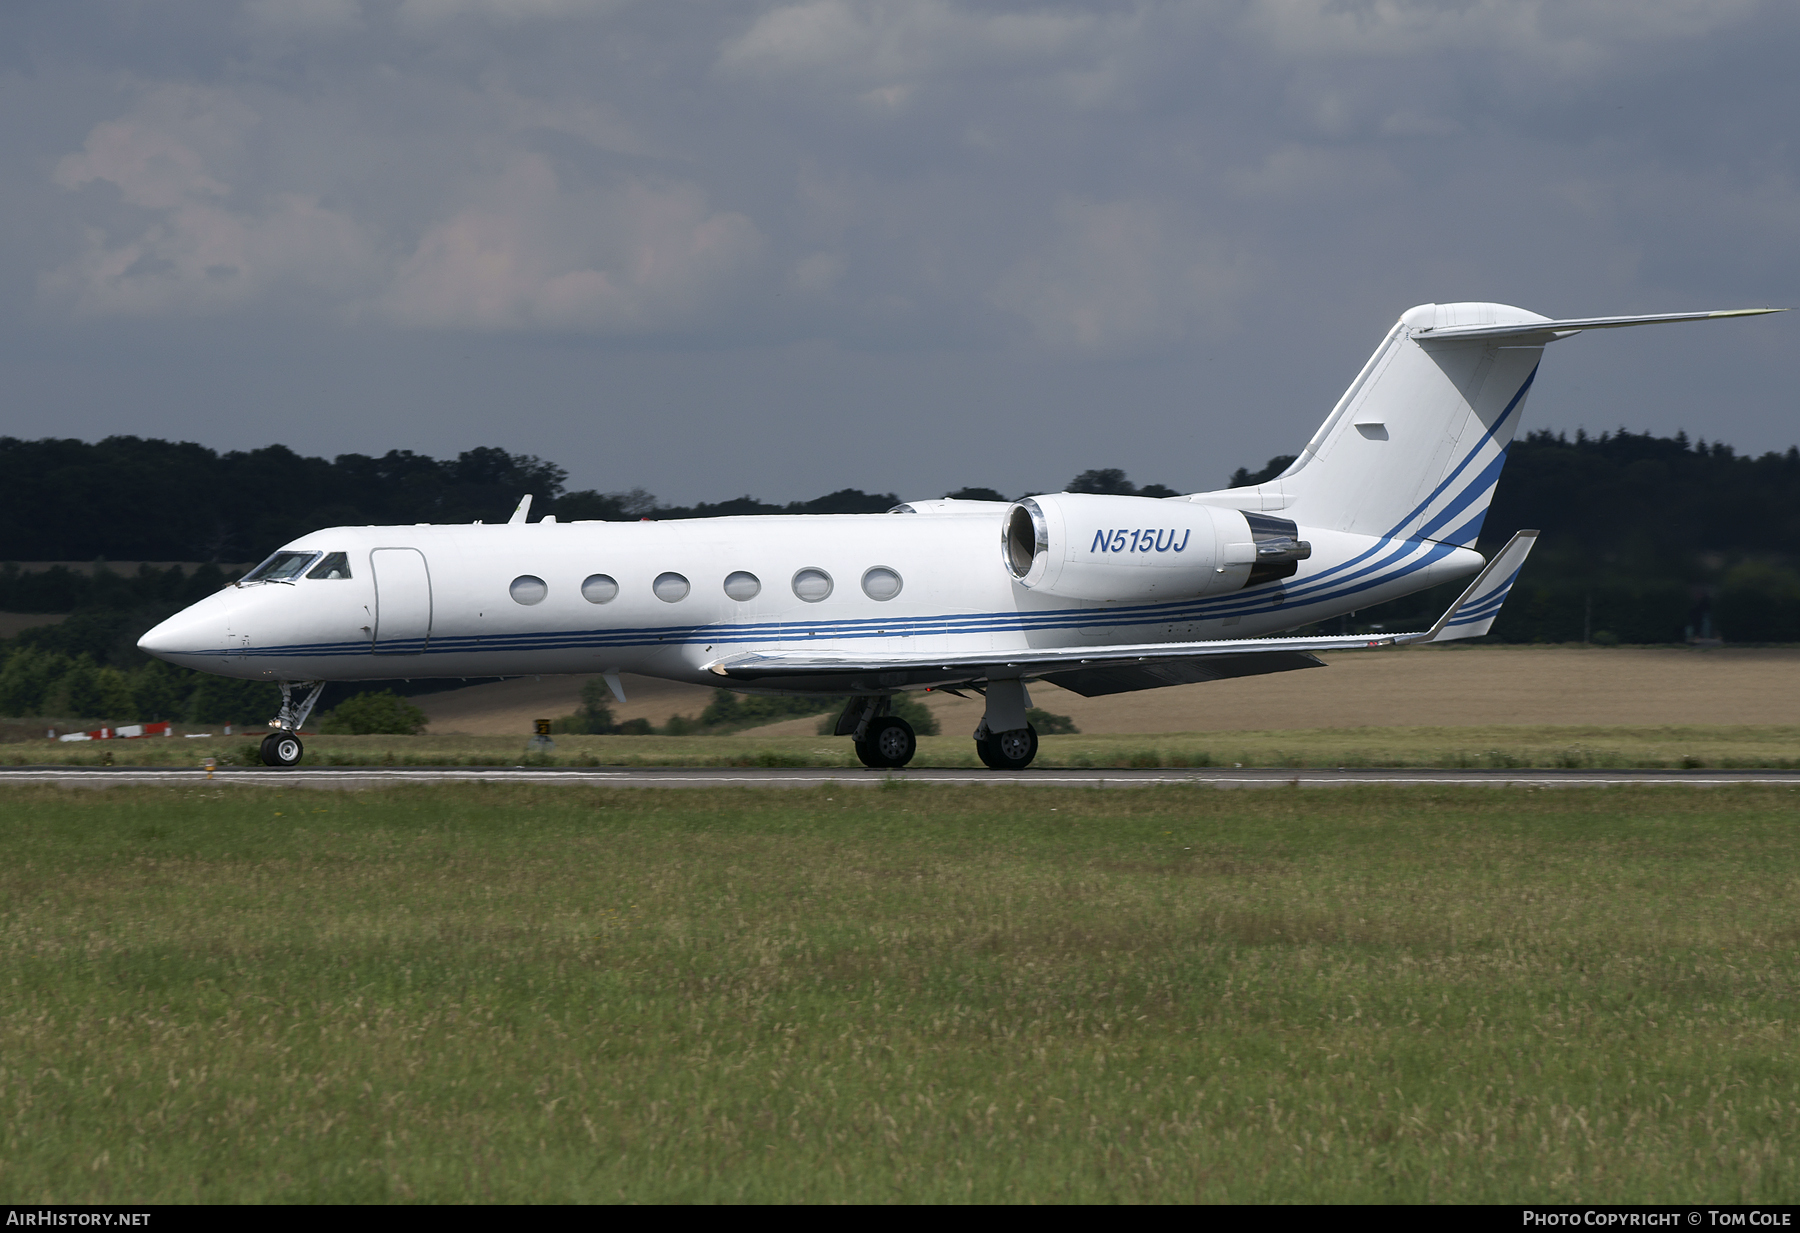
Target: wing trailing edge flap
(1093, 671)
(1127, 678)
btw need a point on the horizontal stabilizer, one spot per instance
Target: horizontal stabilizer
(1473, 615)
(1574, 325)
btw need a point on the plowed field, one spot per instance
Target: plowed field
(1423, 687)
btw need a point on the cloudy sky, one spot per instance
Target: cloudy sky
(779, 248)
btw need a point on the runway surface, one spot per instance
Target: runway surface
(342, 778)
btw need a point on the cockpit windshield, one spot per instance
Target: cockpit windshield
(282, 567)
(335, 565)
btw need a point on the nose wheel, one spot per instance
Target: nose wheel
(281, 749)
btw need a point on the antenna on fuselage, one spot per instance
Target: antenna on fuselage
(524, 509)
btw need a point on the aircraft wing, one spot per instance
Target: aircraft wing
(1092, 671)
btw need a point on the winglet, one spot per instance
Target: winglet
(523, 510)
(1473, 615)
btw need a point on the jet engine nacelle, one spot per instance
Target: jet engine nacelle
(1084, 546)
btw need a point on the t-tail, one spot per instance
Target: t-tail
(1413, 449)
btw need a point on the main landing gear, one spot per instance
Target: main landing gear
(882, 741)
(282, 747)
(1007, 751)
(891, 742)
(1005, 741)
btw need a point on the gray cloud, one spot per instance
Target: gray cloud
(526, 254)
(186, 240)
(902, 244)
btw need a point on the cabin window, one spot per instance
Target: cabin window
(742, 585)
(812, 585)
(881, 583)
(670, 588)
(599, 588)
(335, 565)
(282, 567)
(527, 589)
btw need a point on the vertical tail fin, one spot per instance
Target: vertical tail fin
(1414, 448)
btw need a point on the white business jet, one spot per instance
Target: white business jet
(1097, 594)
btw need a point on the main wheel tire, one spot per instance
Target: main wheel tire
(890, 742)
(281, 749)
(1009, 751)
(894, 740)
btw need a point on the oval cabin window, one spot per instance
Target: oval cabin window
(742, 585)
(812, 585)
(881, 583)
(599, 588)
(528, 590)
(670, 588)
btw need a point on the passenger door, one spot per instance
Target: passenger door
(402, 601)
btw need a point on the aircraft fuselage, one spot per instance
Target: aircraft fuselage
(446, 601)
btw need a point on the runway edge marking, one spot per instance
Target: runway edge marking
(349, 778)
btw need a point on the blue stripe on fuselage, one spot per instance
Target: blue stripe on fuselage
(1269, 601)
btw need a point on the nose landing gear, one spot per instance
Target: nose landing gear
(282, 747)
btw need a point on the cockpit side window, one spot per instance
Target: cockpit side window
(335, 565)
(282, 567)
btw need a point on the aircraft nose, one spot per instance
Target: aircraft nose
(183, 634)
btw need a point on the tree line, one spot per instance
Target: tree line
(1645, 539)
(138, 499)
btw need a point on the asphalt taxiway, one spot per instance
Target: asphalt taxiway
(343, 778)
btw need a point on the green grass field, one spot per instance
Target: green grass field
(1764, 745)
(500, 993)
